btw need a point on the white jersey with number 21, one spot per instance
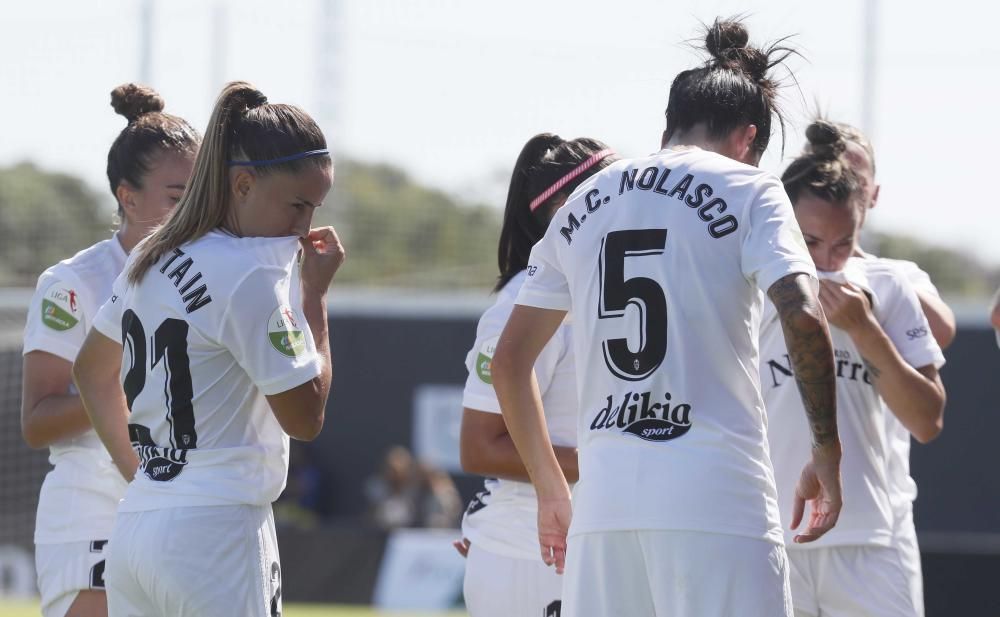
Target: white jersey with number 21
(212, 328)
(662, 261)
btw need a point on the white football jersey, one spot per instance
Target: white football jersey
(503, 519)
(903, 487)
(80, 495)
(211, 329)
(661, 261)
(867, 517)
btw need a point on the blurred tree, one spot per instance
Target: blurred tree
(955, 273)
(399, 233)
(45, 217)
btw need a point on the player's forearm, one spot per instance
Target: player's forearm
(53, 418)
(915, 399)
(107, 410)
(940, 317)
(314, 310)
(520, 402)
(498, 458)
(811, 353)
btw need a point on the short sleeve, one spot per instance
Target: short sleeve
(546, 285)
(773, 246)
(920, 280)
(903, 320)
(478, 393)
(265, 330)
(109, 317)
(56, 321)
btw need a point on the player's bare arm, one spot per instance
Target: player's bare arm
(811, 352)
(526, 333)
(301, 410)
(487, 449)
(915, 395)
(48, 413)
(939, 316)
(96, 373)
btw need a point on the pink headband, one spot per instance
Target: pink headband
(561, 182)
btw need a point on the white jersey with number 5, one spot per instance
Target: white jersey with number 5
(662, 261)
(211, 329)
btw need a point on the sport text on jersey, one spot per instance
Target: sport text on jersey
(658, 180)
(636, 416)
(195, 298)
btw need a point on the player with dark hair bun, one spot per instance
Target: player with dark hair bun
(887, 365)
(661, 261)
(503, 575)
(148, 168)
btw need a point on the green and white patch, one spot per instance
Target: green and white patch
(285, 333)
(59, 308)
(484, 359)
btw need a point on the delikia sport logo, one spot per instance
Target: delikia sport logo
(642, 415)
(285, 333)
(59, 308)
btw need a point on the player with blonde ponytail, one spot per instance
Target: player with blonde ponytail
(211, 352)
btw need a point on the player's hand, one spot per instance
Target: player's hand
(819, 485)
(554, 515)
(846, 306)
(462, 546)
(322, 254)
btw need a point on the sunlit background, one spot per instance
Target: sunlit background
(426, 104)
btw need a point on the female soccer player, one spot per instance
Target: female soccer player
(148, 167)
(219, 331)
(884, 352)
(860, 156)
(503, 575)
(660, 260)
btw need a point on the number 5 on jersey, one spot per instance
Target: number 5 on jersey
(647, 295)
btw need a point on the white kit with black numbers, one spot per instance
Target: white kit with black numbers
(212, 328)
(662, 261)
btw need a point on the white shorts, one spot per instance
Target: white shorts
(905, 541)
(850, 581)
(66, 569)
(674, 574)
(194, 561)
(498, 586)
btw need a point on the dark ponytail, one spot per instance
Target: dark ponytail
(732, 89)
(822, 170)
(543, 161)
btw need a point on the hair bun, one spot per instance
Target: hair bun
(243, 97)
(725, 35)
(133, 100)
(825, 138)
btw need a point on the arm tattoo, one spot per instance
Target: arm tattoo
(811, 353)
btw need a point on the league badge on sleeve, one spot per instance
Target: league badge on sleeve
(484, 360)
(59, 308)
(284, 331)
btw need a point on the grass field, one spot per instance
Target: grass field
(30, 609)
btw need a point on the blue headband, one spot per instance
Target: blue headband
(279, 160)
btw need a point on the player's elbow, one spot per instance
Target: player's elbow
(930, 430)
(305, 428)
(32, 435)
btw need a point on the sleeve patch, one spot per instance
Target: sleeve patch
(60, 310)
(484, 360)
(284, 332)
